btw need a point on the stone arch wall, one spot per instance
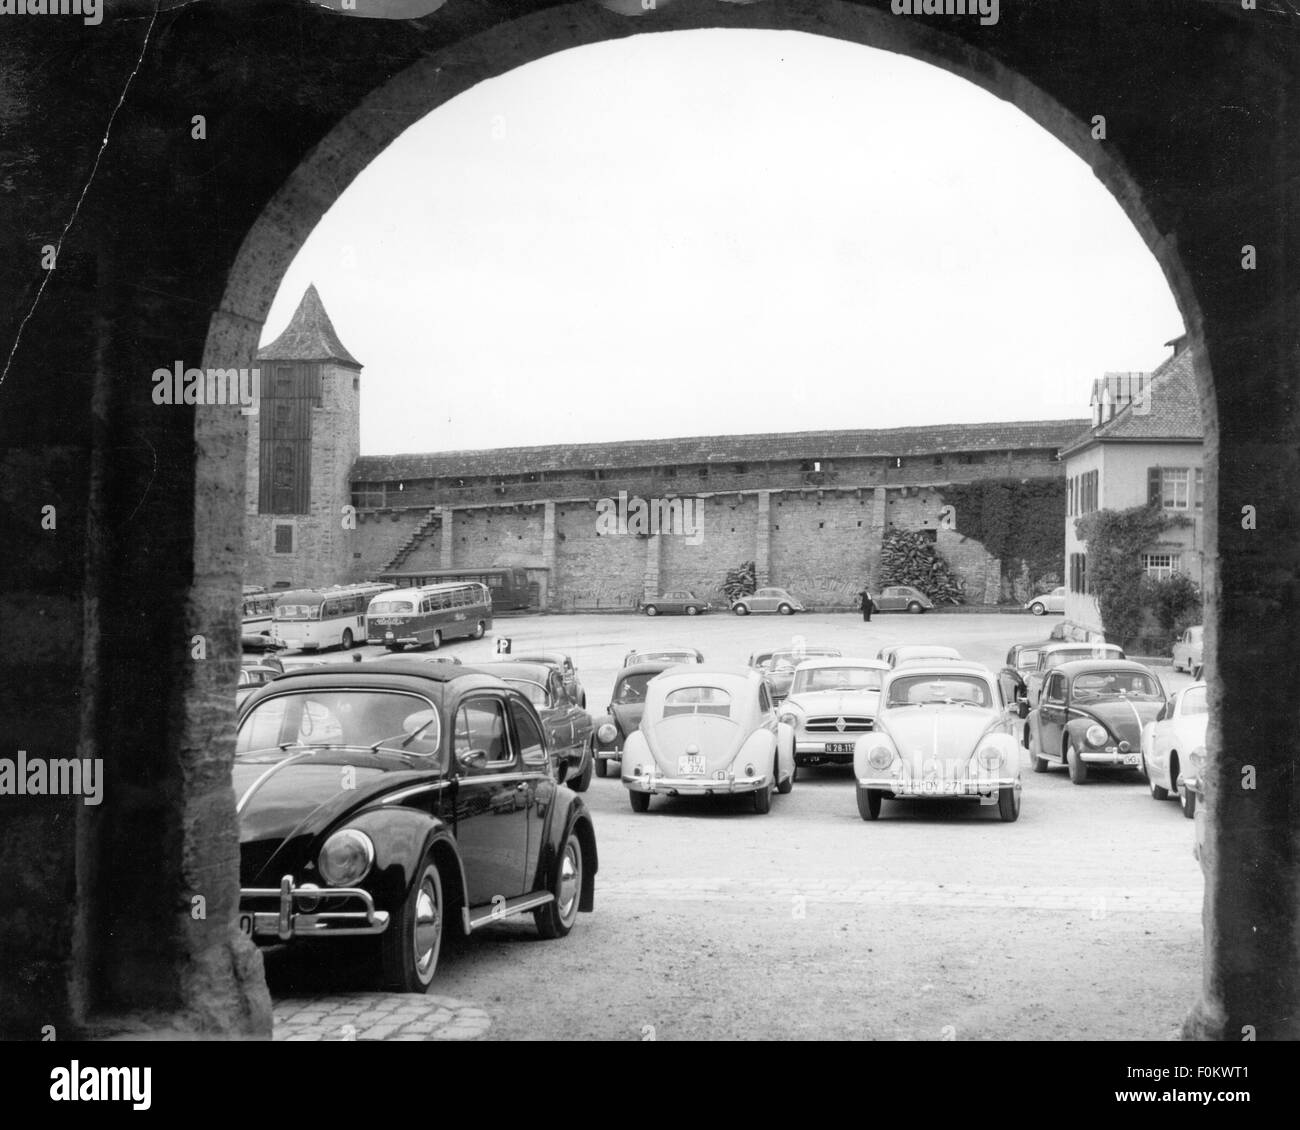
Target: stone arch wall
(174, 251)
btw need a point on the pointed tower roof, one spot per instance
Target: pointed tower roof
(309, 336)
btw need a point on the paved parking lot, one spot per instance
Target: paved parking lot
(1081, 920)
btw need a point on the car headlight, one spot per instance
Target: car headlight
(989, 757)
(607, 732)
(1096, 735)
(346, 858)
(880, 757)
(789, 719)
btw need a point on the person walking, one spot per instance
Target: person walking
(868, 605)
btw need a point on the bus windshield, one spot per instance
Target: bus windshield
(388, 607)
(297, 612)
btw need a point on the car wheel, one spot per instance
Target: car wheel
(409, 948)
(741, 610)
(915, 607)
(347, 639)
(1009, 804)
(640, 801)
(1187, 799)
(869, 803)
(785, 786)
(1037, 609)
(1078, 768)
(651, 610)
(436, 642)
(691, 610)
(556, 918)
(785, 610)
(582, 781)
(1036, 759)
(479, 629)
(1158, 792)
(763, 799)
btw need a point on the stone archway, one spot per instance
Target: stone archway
(299, 127)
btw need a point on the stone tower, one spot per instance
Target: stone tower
(301, 447)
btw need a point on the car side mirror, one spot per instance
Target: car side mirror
(472, 758)
(1022, 708)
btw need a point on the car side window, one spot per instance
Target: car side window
(481, 730)
(764, 703)
(529, 737)
(558, 694)
(1055, 689)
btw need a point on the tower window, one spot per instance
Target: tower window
(283, 538)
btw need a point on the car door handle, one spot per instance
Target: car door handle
(522, 787)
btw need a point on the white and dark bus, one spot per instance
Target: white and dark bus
(429, 615)
(312, 619)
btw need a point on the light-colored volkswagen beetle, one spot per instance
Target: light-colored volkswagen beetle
(708, 730)
(942, 730)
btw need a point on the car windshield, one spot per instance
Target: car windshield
(535, 692)
(331, 718)
(697, 700)
(388, 607)
(632, 688)
(665, 657)
(932, 689)
(1195, 701)
(794, 658)
(1069, 655)
(1115, 684)
(836, 679)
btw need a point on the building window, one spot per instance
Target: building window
(283, 479)
(1161, 566)
(1079, 572)
(1169, 487)
(283, 538)
(281, 417)
(1198, 489)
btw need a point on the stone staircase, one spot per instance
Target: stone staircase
(408, 546)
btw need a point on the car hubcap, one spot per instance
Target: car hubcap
(570, 881)
(428, 926)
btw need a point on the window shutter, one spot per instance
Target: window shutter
(1153, 486)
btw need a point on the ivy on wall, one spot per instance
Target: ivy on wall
(1020, 522)
(1116, 541)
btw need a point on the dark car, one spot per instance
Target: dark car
(568, 671)
(394, 802)
(677, 601)
(623, 716)
(1090, 716)
(570, 735)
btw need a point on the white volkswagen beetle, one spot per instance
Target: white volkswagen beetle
(942, 730)
(1169, 741)
(708, 730)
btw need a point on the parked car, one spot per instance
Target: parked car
(397, 802)
(1189, 651)
(623, 715)
(1053, 656)
(779, 668)
(708, 730)
(1053, 601)
(767, 600)
(570, 734)
(568, 671)
(667, 655)
(902, 598)
(903, 653)
(1091, 716)
(1168, 741)
(1022, 658)
(679, 600)
(253, 676)
(274, 662)
(832, 702)
(940, 731)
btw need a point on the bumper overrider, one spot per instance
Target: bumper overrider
(296, 914)
(722, 782)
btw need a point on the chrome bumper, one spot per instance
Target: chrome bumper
(695, 786)
(938, 787)
(287, 922)
(1111, 757)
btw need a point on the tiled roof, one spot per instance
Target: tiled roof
(1173, 411)
(309, 336)
(759, 448)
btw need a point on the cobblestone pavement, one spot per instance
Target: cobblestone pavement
(377, 1016)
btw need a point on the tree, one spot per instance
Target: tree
(908, 558)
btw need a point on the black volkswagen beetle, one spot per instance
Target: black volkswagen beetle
(623, 716)
(395, 801)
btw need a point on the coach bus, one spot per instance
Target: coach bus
(312, 619)
(428, 615)
(509, 586)
(259, 613)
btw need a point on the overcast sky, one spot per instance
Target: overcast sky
(719, 232)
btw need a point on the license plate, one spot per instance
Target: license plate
(246, 925)
(935, 787)
(691, 765)
(1132, 758)
(839, 747)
